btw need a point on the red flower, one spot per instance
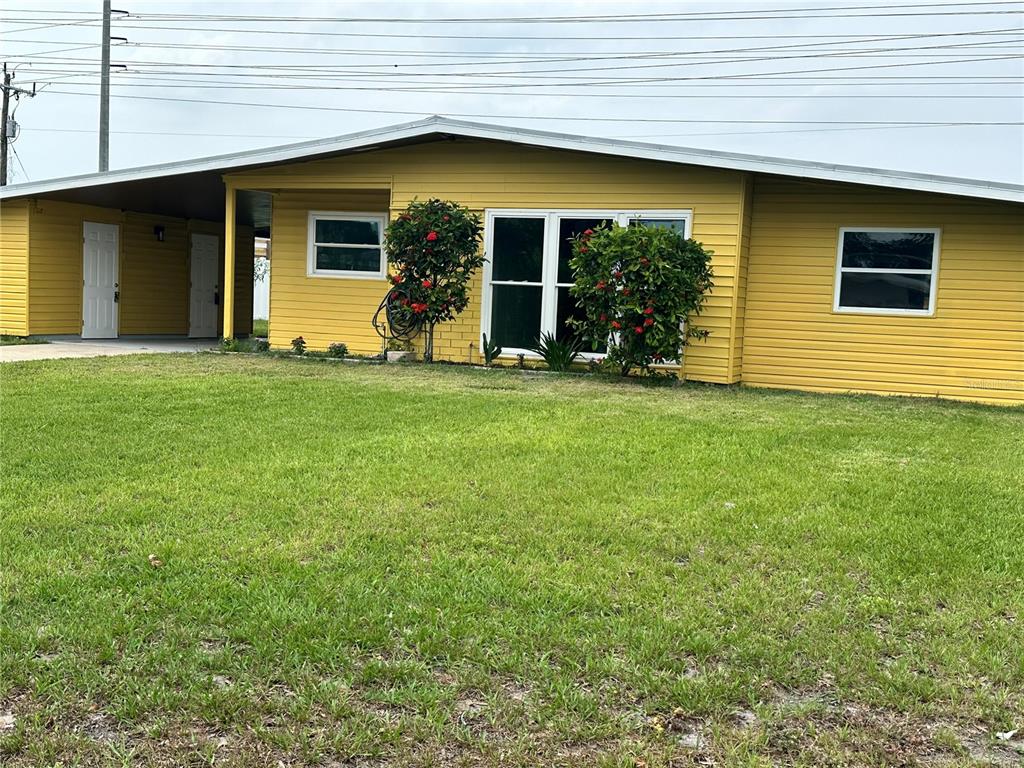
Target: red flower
(393, 296)
(583, 249)
(648, 322)
(639, 329)
(431, 236)
(626, 291)
(618, 273)
(601, 285)
(405, 302)
(649, 311)
(445, 217)
(396, 279)
(645, 261)
(427, 283)
(588, 232)
(616, 324)
(603, 317)
(418, 308)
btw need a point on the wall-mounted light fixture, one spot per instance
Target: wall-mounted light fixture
(158, 230)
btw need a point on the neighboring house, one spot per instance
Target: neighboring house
(828, 278)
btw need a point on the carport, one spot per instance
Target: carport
(136, 253)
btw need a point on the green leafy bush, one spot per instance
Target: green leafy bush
(299, 345)
(558, 355)
(337, 349)
(434, 249)
(637, 286)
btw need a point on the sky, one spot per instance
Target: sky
(839, 81)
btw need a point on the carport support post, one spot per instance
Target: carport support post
(229, 262)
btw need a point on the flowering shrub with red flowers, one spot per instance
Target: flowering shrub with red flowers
(433, 249)
(637, 285)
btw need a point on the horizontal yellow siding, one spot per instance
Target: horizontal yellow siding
(482, 175)
(320, 309)
(55, 263)
(14, 237)
(973, 347)
(154, 275)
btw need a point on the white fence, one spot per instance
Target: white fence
(261, 290)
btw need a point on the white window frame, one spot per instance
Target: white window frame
(549, 284)
(933, 273)
(381, 219)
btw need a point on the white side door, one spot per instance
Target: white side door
(203, 288)
(100, 289)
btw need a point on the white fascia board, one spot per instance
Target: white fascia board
(664, 153)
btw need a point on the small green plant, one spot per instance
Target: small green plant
(521, 360)
(299, 345)
(558, 355)
(490, 350)
(337, 349)
(262, 345)
(229, 345)
(399, 345)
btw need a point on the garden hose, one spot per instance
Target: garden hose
(396, 326)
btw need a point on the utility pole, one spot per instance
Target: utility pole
(6, 123)
(3, 127)
(105, 91)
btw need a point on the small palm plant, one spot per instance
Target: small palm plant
(557, 355)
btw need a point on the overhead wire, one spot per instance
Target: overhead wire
(491, 115)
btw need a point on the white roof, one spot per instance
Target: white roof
(365, 140)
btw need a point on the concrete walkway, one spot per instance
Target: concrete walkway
(63, 348)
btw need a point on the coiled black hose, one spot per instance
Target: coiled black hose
(398, 325)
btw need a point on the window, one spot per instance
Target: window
(527, 275)
(346, 245)
(887, 271)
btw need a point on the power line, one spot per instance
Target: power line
(179, 133)
(574, 118)
(159, 80)
(896, 51)
(931, 9)
(560, 73)
(794, 130)
(851, 37)
(901, 52)
(421, 36)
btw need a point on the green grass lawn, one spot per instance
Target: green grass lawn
(241, 560)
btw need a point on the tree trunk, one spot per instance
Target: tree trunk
(428, 344)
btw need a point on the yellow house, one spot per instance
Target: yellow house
(827, 278)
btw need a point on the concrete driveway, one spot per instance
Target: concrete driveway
(62, 348)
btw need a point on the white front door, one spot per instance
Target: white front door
(100, 290)
(204, 291)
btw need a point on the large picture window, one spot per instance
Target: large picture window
(346, 244)
(527, 275)
(887, 271)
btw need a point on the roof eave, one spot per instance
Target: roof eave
(225, 164)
